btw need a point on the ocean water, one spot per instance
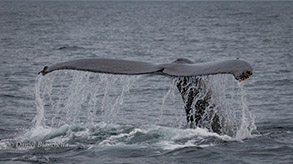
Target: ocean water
(81, 117)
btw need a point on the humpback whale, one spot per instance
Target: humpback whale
(182, 69)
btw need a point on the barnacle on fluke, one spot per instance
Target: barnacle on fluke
(245, 75)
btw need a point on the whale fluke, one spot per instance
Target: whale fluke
(179, 68)
(184, 69)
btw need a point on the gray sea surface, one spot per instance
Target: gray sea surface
(81, 117)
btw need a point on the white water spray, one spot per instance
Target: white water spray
(76, 97)
(72, 97)
(247, 125)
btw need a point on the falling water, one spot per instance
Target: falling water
(68, 99)
(77, 97)
(225, 103)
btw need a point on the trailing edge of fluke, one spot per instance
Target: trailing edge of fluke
(240, 69)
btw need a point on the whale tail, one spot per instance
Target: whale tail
(183, 69)
(240, 69)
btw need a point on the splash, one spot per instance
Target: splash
(88, 110)
(76, 103)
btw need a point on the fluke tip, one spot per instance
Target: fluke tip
(44, 71)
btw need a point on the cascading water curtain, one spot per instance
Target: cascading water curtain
(219, 101)
(74, 97)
